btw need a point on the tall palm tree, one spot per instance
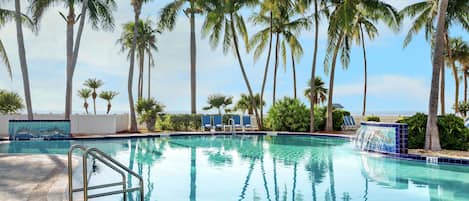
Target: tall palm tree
(85, 93)
(137, 7)
(319, 93)
(460, 53)
(22, 56)
(108, 96)
(168, 17)
(146, 44)
(93, 84)
(224, 16)
(100, 16)
(341, 32)
(432, 137)
(365, 23)
(424, 14)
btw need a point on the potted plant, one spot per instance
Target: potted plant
(147, 110)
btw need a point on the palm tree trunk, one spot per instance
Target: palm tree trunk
(442, 90)
(245, 76)
(313, 70)
(69, 44)
(133, 119)
(277, 47)
(149, 75)
(294, 74)
(329, 123)
(366, 69)
(94, 100)
(266, 69)
(432, 138)
(22, 56)
(193, 61)
(140, 73)
(455, 73)
(465, 87)
(76, 48)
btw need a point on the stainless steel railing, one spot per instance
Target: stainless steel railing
(109, 162)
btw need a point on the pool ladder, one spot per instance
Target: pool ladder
(109, 162)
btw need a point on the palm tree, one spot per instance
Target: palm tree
(10, 102)
(108, 96)
(137, 6)
(224, 16)
(218, 101)
(244, 104)
(320, 91)
(460, 53)
(432, 137)
(146, 43)
(341, 32)
(19, 18)
(168, 17)
(425, 14)
(93, 84)
(85, 94)
(100, 16)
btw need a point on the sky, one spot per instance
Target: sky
(399, 79)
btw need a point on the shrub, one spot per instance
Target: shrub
(10, 102)
(372, 118)
(463, 108)
(338, 118)
(289, 115)
(453, 134)
(319, 118)
(147, 110)
(179, 122)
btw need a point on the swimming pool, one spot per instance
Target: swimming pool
(265, 168)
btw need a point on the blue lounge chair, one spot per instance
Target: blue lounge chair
(206, 122)
(349, 123)
(217, 122)
(247, 122)
(237, 121)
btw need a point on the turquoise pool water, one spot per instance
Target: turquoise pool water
(265, 168)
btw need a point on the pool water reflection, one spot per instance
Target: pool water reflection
(266, 168)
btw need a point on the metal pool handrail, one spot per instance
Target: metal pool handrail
(109, 162)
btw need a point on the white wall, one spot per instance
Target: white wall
(80, 124)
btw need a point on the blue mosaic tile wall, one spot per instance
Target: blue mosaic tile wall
(39, 129)
(395, 137)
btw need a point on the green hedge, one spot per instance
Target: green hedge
(179, 122)
(373, 118)
(453, 134)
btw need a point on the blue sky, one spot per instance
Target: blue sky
(399, 79)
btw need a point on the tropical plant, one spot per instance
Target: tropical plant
(148, 110)
(146, 44)
(460, 54)
(342, 30)
(20, 19)
(10, 102)
(168, 17)
(320, 91)
(372, 118)
(289, 115)
(100, 16)
(218, 101)
(425, 14)
(93, 84)
(85, 93)
(137, 6)
(224, 16)
(108, 96)
(244, 104)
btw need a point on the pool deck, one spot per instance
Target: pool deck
(28, 177)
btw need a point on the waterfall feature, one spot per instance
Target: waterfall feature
(382, 137)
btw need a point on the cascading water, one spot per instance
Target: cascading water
(381, 137)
